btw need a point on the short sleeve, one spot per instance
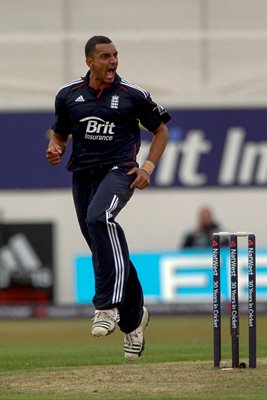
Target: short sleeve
(151, 115)
(62, 123)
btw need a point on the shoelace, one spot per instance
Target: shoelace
(131, 336)
(105, 315)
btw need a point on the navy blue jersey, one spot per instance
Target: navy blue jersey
(104, 123)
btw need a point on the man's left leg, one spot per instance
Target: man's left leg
(134, 317)
(116, 283)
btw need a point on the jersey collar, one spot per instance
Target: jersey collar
(116, 80)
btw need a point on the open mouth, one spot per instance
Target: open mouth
(110, 74)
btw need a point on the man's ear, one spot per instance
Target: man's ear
(89, 61)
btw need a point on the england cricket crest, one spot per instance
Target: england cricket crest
(114, 102)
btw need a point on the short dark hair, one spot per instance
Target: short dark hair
(93, 41)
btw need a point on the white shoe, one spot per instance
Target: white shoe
(104, 322)
(134, 342)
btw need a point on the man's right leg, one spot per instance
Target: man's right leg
(83, 192)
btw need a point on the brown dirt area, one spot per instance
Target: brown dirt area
(138, 380)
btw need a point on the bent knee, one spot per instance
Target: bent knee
(95, 219)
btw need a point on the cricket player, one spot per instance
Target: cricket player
(102, 112)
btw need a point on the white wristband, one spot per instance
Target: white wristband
(148, 166)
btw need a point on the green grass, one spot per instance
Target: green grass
(59, 359)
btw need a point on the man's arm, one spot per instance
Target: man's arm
(56, 148)
(159, 142)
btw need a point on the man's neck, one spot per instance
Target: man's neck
(97, 84)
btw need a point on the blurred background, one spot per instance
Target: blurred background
(205, 61)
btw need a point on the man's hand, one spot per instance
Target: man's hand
(53, 154)
(142, 179)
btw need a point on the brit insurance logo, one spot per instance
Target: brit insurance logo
(98, 129)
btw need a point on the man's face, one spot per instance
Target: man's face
(103, 63)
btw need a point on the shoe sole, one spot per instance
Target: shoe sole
(144, 327)
(102, 328)
(102, 332)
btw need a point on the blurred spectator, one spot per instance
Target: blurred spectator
(201, 236)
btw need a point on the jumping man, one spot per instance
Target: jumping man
(102, 113)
